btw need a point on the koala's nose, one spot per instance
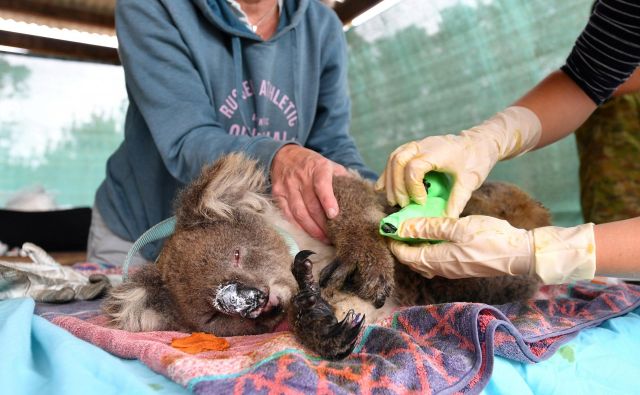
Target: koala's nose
(239, 299)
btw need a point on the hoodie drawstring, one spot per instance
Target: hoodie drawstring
(297, 83)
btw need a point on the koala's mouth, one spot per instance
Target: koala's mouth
(271, 310)
(236, 299)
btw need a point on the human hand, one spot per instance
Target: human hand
(468, 157)
(481, 246)
(302, 188)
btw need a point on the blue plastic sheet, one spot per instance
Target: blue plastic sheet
(600, 360)
(40, 358)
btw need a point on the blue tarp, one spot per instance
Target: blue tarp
(40, 358)
(600, 360)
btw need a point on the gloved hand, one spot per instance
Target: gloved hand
(481, 246)
(468, 157)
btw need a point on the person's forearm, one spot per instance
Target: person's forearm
(618, 248)
(560, 105)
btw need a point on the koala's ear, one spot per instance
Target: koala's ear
(133, 305)
(233, 182)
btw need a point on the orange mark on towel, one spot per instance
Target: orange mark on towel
(200, 342)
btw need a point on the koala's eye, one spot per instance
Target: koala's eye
(236, 256)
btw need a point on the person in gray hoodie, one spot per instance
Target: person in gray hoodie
(210, 77)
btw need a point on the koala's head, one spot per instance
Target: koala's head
(226, 267)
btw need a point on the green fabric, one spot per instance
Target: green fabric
(609, 148)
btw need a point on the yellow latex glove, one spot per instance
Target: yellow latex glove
(468, 157)
(481, 246)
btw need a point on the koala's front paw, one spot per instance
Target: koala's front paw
(365, 268)
(314, 322)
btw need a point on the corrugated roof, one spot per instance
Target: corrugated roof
(94, 16)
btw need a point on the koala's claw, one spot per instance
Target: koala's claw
(308, 295)
(314, 321)
(301, 270)
(345, 334)
(328, 272)
(382, 292)
(351, 321)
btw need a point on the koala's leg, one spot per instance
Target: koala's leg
(313, 319)
(141, 304)
(364, 264)
(508, 202)
(489, 290)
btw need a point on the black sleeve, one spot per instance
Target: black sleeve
(608, 50)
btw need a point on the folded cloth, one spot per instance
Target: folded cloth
(600, 360)
(45, 280)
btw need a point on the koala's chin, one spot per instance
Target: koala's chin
(228, 269)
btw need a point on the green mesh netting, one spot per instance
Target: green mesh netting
(59, 122)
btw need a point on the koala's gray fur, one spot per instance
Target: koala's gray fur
(227, 232)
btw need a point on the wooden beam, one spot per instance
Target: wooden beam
(352, 8)
(60, 48)
(60, 12)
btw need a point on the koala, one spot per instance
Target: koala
(228, 268)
